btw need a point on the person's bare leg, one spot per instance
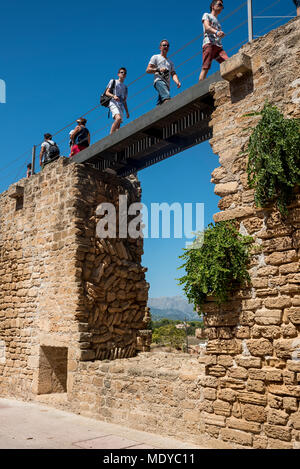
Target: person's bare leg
(116, 124)
(298, 11)
(203, 74)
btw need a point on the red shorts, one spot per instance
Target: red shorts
(210, 52)
(77, 149)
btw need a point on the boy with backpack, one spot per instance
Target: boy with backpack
(80, 137)
(117, 92)
(49, 151)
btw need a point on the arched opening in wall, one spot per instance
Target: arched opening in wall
(53, 365)
(183, 180)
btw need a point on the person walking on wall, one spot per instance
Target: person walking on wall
(80, 137)
(213, 34)
(297, 3)
(29, 170)
(163, 68)
(49, 150)
(118, 92)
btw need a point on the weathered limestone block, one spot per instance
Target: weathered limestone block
(268, 316)
(260, 347)
(293, 314)
(236, 66)
(274, 375)
(248, 362)
(254, 373)
(268, 332)
(295, 419)
(277, 417)
(225, 360)
(219, 320)
(278, 444)
(238, 373)
(211, 419)
(278, 244)
(226, 188)
(278, 432)
(289, 330)
(284, 257)
(289, 404)
(216, 370)
(240, 424)
(289, 268)
(254, 413)
(210, 394)
(236, 436)
(293, 365)
(219, 174)
(232, 383)
(226, 347)
(285, 390)
(228, 395)
(240, 212)
(242, 332)
(255, 385)
(252, 398)
(287, 348)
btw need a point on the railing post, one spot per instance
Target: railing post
(33, 160)
(250, 21)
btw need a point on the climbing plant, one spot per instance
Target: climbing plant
(217, 263)
(274, 158)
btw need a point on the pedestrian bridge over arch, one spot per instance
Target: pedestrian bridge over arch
(160, 133)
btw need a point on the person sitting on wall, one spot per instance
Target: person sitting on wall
(212, 45)
(49, 151)
(80, 137)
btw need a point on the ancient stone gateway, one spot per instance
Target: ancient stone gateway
(73, 307)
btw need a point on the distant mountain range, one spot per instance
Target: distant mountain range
(174, 307)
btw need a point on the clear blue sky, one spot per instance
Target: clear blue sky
(56, 60)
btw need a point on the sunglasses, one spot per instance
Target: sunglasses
(124, 73)
(165, 45)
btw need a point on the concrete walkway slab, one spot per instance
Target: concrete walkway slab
(32, 425)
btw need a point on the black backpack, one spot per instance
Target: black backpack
(52, 152)
(82, 136)
(104, 100)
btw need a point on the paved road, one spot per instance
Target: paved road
(32, 425)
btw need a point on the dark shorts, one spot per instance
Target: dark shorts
(211, 52)
(297, 3)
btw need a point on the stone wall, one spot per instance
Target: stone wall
(70, 301)
(56, 276)
(155, 391)
(253, 352)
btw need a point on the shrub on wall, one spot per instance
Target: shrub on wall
(274, 158)
(218, 267)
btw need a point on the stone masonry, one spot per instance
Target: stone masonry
(65, 295)
(73, 306)
(253, 351)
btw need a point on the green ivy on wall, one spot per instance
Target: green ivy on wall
(274, 158)
(217, 265)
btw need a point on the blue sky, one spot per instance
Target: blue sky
(56, 59)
